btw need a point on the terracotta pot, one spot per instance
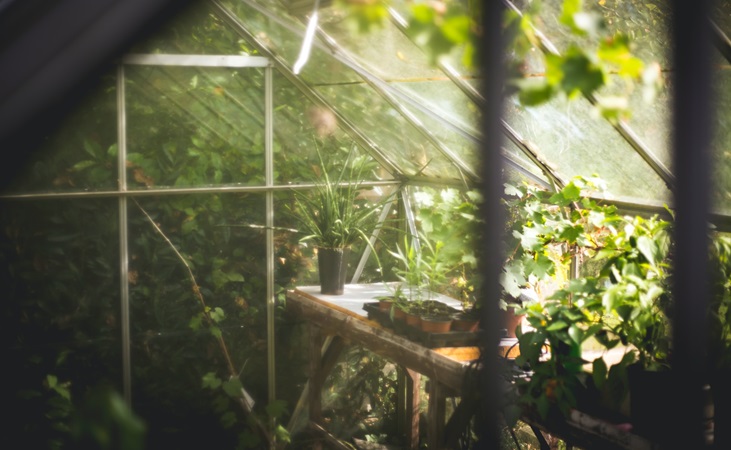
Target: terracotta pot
(461, 322)
(332, 264)
(435, 324)
(399, 314)
(385, 305)
(509, 321)
(413, 319)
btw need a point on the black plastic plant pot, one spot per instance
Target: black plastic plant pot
(332, 265)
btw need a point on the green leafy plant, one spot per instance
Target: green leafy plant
(552, 351)
(619, 297)
(420, 267)
(336, 214)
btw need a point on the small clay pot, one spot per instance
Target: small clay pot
(463, 322)
(435, 324)
(385, 305)
(412, 319)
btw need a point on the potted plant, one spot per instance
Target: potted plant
(620, 298)
(334, 217)
(422, 273)
(511, 315)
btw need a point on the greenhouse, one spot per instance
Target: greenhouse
(179, 175)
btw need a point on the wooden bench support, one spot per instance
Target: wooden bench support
(436, 414)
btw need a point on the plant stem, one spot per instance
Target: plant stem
(221, 342)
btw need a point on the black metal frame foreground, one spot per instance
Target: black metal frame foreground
(692, 117)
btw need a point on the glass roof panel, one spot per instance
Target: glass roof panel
(569, 137)
(283, 35)
(300, 128)
(401, 11)
(645, 21)
(461, 145)
(384, 125)
(650, 119)
(184, 117)
(384, 51)
(444, 99)
(194, 31)
(518, 168)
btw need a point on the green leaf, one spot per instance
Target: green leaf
(557, 325)
(216, 332)
(276, 409)
(542, 266)
(576, 333)
(195, 323)
(512, 278)
(599, 372)
(228, 419)
(513, 191)
(533, 91)
(571, 192)
(233, 387)
(235, 276)
(572, 233)
(282, 434)
(647, 247)
(79, 166)
(580, 74)
(457, 29)
(570, 7)
(217, 314)
(210, 380)
(543, 406)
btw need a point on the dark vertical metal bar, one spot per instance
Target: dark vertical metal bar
(691, 141)
(491, 61)
(123, 237)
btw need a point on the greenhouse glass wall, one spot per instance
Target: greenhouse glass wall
(150, 239)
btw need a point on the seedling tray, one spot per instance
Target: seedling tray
(429, 340)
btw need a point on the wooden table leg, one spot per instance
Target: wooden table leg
(413, 388)
(436, 415)
(315, 380)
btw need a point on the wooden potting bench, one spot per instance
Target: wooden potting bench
(337, 320)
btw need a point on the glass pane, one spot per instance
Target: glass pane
(650, 121)
(283, 35)
(59, 268)
(81, 154)
(384, 51)
(381, 123)
(194, 31)
(208, 255)
(645, 22)
(444, 99)
(456, 58)
(458, 145)
(517, 167)
(571, 138)
(189, 126)
(300, 130)
(344, 89)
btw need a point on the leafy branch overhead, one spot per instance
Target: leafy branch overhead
(587, 67)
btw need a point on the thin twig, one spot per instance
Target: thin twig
(196, 290)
